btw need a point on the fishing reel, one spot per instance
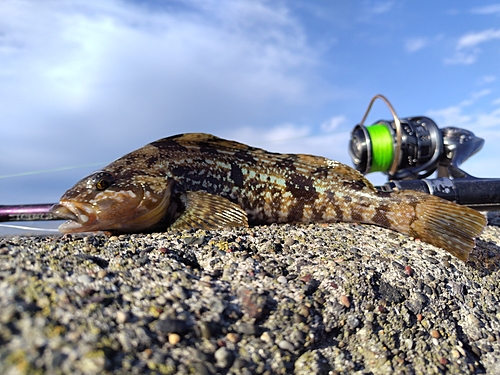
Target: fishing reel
(410, 149)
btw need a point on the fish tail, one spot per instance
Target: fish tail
(438, 222)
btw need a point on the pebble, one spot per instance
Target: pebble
(245, 328)
(435, 334)
(102, 274)
(172, 325)
(282, 280)
(352, 322)
(174, 338)
(224, 357)
(344, 300)
(233, 337)
(84, 279)
(121, 316)
(266, 337)
(409, 270)
(286, 345)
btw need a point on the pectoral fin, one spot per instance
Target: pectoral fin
(208, 211)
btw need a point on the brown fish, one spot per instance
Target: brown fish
(201, 181)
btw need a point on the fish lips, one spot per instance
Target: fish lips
(79, 217)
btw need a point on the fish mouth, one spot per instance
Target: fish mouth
(80, 216)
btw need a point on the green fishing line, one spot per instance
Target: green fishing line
(382, 148)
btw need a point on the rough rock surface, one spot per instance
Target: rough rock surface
(317, 299)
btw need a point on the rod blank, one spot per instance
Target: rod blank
(27, 212)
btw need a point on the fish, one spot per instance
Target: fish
(198, 180)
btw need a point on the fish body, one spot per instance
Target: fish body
(201, 181)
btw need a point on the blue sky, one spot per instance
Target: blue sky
(82, 83)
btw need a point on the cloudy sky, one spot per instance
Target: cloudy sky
(84, 82)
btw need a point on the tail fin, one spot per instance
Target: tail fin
(443, 223)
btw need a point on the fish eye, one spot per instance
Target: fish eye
(103, 180)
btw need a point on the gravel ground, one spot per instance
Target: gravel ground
(317, 299)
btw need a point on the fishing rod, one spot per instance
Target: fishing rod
(26, 212)
(407, 149)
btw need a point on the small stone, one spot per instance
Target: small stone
(443, 361)
(352, 322)
(297, 338)
(101, 274)
(207, 329)
(303, 310)
(84, 279)
(297, 318)
(435, 334)
(455, 354)
(306, 278)
(475, 350)
(147, 353)
(364, 333)
(233, 337)
(266, 337)
(245, 328)
(121, 316)
(172, 326)
(174, 338)
(282, 280)
(409, 270)
(223, 357)
(310, 287)
(285, 345)
(344, 300)
(409, 344)
(253, 304)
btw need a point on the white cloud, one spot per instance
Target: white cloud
(472, 119)
(381, 7)
(484, 122)
(415, 44)
(270, 139)
(450, 116)
(370, 10)
(487, 79)
(474, 97)
(473, 39)
(291, 138)
(333, 123)
(488, 9)
(467, 47)
(461, 58)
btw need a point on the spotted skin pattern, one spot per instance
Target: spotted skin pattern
(199, 180)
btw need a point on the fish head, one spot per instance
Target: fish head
(114, 199)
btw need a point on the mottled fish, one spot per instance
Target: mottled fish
(201, 181)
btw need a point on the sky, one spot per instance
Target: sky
(85, 82)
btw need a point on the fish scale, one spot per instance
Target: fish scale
(201, 181)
